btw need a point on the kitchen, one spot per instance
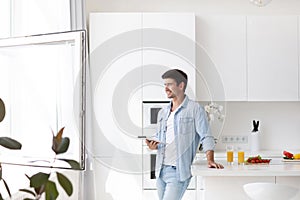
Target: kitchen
(236, 51)
(241, 109)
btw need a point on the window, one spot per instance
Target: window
(42, 77)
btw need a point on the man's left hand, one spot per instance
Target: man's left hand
(212, 164)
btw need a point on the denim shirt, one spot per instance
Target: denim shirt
(190, 128)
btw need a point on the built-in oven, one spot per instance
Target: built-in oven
(150, 112)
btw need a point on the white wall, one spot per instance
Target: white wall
(279, 123)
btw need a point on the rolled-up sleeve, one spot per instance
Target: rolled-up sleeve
(203, 129)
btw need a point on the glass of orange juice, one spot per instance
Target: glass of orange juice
(241, 156)
(229, 151)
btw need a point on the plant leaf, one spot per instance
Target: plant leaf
(40, 190)
(10, 143)
(27, 176)
(59, 134)
(38, 179)
(2, 110)
(1, 198)
(65, 183)
(0, 172)
(51, 191)
(73, 163)
(60, 146)
(27, 191)
(6, 187)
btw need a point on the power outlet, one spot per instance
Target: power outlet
(235, 139)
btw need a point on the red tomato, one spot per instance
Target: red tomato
(288, 154)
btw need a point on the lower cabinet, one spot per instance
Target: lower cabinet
(291, 181)
(113, 184)
(216, 188)
(110, 184)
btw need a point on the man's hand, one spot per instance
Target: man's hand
(152, 144)
(211, 162)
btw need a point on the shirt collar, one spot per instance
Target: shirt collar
(183, 104)
(185, 101)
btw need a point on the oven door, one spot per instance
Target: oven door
(150, 112)
(149, 159)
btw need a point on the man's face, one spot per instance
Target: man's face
(172, 89)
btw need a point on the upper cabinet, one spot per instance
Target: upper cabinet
(128, 54)
(255, 57)
(104, 27)
(272, 54)
(115, 73)
(222, 41)
(168, 42)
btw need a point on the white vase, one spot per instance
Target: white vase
(255, 142)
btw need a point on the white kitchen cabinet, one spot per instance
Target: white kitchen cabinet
(256, 58)
(216, 188)
(168, 42)
(105, 26)
(290, 181)
(272, 55)
(115, 73)
(223, 38)
(128, 54)
(112, 184)
(115, 65)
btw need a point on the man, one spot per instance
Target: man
(181, 127)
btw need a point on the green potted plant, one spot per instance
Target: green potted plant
(40, 182)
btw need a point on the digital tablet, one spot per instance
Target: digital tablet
(151, 139)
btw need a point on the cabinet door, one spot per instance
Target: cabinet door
(272, 43)
(111, 184)
(115, 64)
(290, 181)
(105, 26)
(168, 42)
(230, 187)
(224, 40)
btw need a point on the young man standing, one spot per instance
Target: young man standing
(182, 125)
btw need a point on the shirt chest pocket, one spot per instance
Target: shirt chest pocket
(186, 125)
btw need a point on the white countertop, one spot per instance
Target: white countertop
(277, 167)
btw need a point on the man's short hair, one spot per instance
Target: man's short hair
(178, 75)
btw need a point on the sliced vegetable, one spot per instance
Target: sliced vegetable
(288, 155)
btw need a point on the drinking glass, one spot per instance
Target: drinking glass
(229, 151)
(241, 155)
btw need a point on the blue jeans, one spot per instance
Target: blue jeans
(168, 187)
